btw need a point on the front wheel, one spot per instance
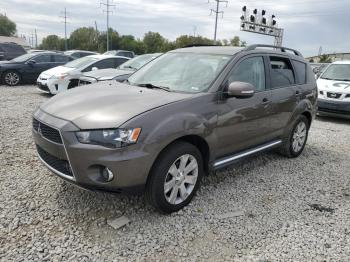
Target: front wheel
(175, 177)
(294, 145)
(11, 78)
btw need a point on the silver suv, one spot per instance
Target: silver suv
(189, 112)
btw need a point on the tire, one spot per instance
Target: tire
(11, 78)
(167, 170)
(294, 144)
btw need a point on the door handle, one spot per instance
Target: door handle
(265, 101)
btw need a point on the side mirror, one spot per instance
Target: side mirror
(94, 68)
(31, 62)
(240, 90)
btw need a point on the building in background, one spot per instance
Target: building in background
(18, 40)
(333, 57)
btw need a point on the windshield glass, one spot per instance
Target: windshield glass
(183, 72)
(337, 72)
(138, 62)
(23, 58)
(81, 62)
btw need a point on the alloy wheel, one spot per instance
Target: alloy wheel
(12, 78)
(299, 137)
(181, 179)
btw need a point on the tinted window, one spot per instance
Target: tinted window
(126, 54)
(120, 61)
(250, 70)
(42, 59)
(300, 70)
(106, 63)
(282, 74)
(60, 59)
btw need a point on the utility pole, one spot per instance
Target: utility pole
(108, 4)
(217, 12)
(36, 39)
(64, 16)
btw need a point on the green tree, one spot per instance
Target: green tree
(325, 59)
(84, 38)
(154, 42)
(187, 40)
(52, 42)
(236, 41)
(7, 27)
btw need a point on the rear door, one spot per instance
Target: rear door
(244, 123)
(58, 59)
(284, 90)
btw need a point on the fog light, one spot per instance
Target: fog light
(107, 174)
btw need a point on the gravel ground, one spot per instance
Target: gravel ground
(267, 208)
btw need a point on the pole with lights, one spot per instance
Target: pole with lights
(255, 22)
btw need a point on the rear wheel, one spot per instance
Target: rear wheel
(175, 177)
(11, 78)
(294, 145)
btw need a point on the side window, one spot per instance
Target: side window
(126, 54)
(250, 70)
(106, 63)
(282, 74)
(119, 61)
(42, 59)
(60, 59)
(300, 70)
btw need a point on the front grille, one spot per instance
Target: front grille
(47, 132)
(333, 95)
(60, 165)
(84, 82)
(44, 87)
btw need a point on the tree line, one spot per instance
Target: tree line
(88, 38)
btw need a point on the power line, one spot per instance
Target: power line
(217, 12)
(65, 17)
(108, 5)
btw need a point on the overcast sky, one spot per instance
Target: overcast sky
(308, 24)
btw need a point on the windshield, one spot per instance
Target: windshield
(81, 62)
(183, 72)
(138, 62)
(23, 58)
(337, 72)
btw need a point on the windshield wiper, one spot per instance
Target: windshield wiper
(151, 86)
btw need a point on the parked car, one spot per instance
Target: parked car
(9, 51)
(125, 53)
(65, 77)
(75, 54)
(26, 68)
(120, 74)
(334, 90)
(186, 113)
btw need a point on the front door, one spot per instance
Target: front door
(245, 122)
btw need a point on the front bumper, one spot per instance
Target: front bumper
(333, 108)
(80, 163)
(52, 85)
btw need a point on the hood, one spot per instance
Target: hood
(5, 62)
(107, 104)
(58, 70)
(107, 74)
(333, 85)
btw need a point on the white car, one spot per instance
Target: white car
(62, 78)
(334, 90)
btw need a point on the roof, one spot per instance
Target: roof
(107, 56)
(218, 50)
(12, 39)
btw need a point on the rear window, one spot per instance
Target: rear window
(282, 74)
(300, 70)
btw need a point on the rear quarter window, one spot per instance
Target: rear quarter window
(300, 72)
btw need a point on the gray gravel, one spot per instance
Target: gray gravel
(267, 208)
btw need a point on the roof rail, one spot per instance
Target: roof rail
(283, 49)
(198, 45)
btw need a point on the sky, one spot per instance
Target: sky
(308, 24)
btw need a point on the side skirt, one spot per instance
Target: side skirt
(222, 162)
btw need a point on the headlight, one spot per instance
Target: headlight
(114, 138)
(61, 76)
